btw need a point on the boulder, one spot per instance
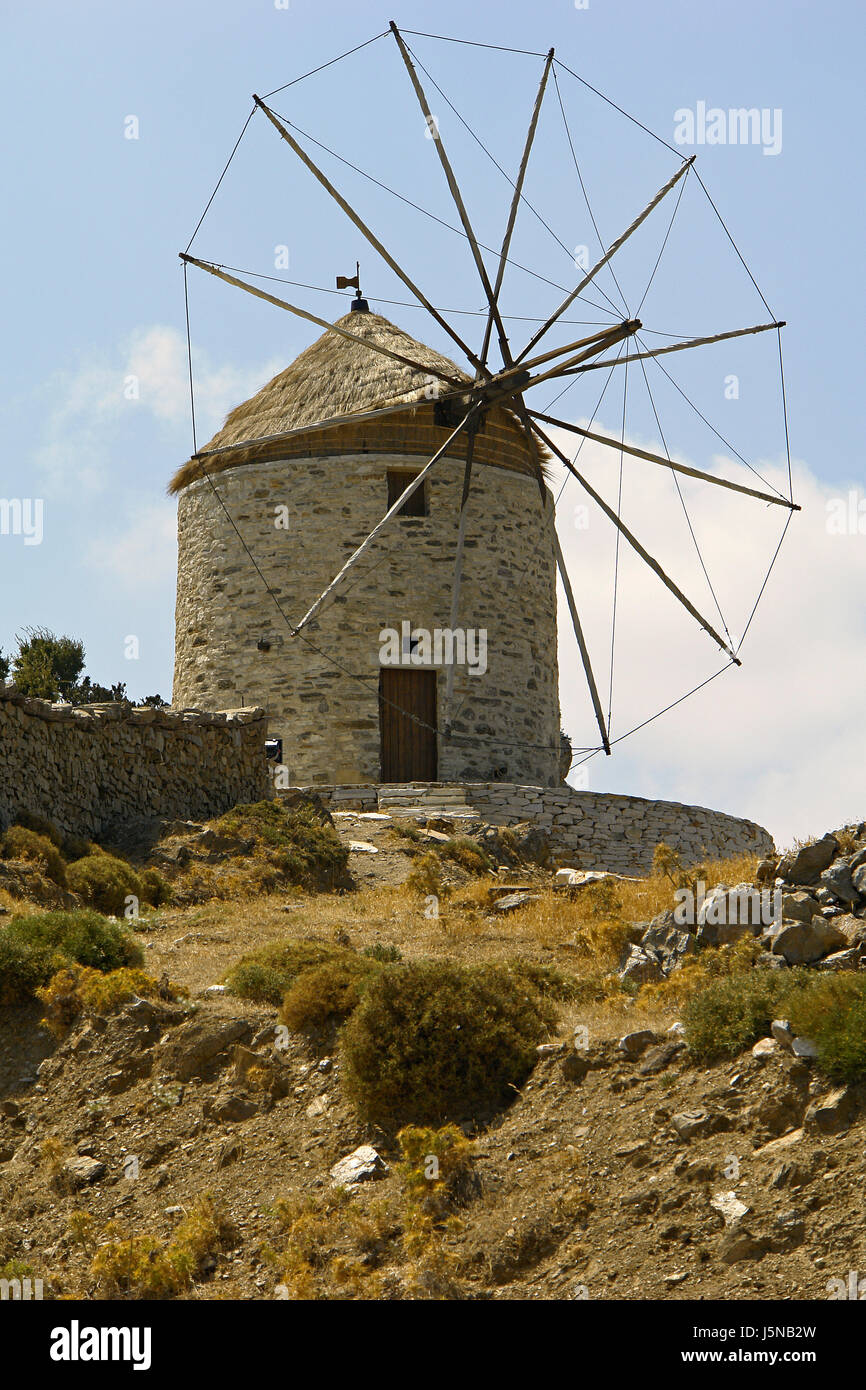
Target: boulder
(806, 864)
(362, 1165)
(83, 1170)
(799, 906)
(195, 1047)
(692, 1124)
(633, 1044)
(729, 1207)
(842, 960)
(832, 1113)
(801, 943)
(840, 883)
(640, 967)
(230, 1106)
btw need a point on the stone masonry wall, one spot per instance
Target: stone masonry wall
(96, 768)
(506, 721)
(588, 830)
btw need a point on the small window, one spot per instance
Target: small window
(398, 482)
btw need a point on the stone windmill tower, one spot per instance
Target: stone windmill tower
(391, 678)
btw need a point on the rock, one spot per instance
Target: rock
(362, 1165)
(666, 939)
(799, 906)
(215, 990)
(230, 1152)
(575, 1066)
(785, 1141)
(633, 1044)
(641, 1202)
(842, 960)
(640, 967)
(840, 883)
(691, 1124)
(766, 872)
(655, 1059)
(800, 943)
(765, 1048)
(729, 1207)
(194, 1048)
(317, 1107)
(564, 878)
(738, 1244)
(512, 901)
(229, 1107)
(783, 1032)
(832, 1113)
(362, 847)
(677, 1030)
(852, 928)
(858, 876)
(806, 864)
(81, 1171)
(550, 1049)
(804, 1047)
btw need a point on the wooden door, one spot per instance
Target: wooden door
(408, 748)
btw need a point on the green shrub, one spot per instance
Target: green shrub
(732, 1011)
(307, 852)
(24, 967)
(33, 948)
(327, 994)
(266, 974)
(31, 820)
(21, 843)
(155, 889)
(466, 853)
(81, 936)
(105, 882)
(78, 989)
(831, 1011)
(432, 1040)
(388, 955)
(545, 979)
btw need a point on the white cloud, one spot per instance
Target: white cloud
(781, 739)
(85, 409)
(142, 553)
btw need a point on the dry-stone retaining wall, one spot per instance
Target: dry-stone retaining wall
(590, 830)
(96, 768)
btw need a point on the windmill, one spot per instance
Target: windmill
(464, 398)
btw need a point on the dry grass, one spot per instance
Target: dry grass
(334, 379)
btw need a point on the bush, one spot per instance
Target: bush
(23, 968)
(305, 851)
(545, 979)
(831, 1010)
(21, 843)
(77, 990)
(155, 889)
(327, 994)
(466, 853)
(143, 1267)
(265, 975)
(431, 1040)
(31, 820)
(105, 882)
(81, 936)
(733, 1011)
(388, 955)
(425, 876)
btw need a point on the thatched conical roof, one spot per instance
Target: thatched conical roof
(335, 379)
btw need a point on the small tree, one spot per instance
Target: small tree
(47, 665)
(4, 666)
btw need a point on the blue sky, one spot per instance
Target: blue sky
(93, 298)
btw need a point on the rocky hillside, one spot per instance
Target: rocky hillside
(684, 1116)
